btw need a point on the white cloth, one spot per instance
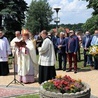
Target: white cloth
(12, 43)
(26, 58)
(47, 54)
(13, 49)
(4, 49)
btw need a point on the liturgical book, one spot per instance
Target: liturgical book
(21, 43)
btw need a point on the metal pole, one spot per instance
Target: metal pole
(57, 27)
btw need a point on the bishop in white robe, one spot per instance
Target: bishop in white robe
(27, 61)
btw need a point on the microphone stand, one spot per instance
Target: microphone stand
(15, 81)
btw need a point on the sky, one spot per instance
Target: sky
(72, 11)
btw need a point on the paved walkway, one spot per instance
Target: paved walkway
(12, 91)
(90, 77)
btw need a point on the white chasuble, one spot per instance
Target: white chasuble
(26, 58)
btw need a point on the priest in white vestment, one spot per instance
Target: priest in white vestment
(14, 48)
(4, 52)
(27, 60)
(47, 59)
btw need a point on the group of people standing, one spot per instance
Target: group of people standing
(48, 46)
(67, 50)
(25, 57)
(90, 40)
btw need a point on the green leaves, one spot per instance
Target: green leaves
(91, 24)
(39, 15)
(93, 4)
(13, 12)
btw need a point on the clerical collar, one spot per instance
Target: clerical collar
(1, 37)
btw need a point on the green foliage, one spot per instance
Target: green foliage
(49, 86)
(73, 26)
(91, 24)
(39, 16)
(13, 14)
(93, 4)
(29, 96)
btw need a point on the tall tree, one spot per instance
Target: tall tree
(13, 14)
(39, 15)
(93, 4)
(92, 23)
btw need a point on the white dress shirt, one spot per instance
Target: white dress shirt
(4, 49)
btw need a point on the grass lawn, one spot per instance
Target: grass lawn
(29, 96)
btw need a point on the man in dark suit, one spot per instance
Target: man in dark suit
(61, 45)
(71, 50)
(86, 42)
(51, 35)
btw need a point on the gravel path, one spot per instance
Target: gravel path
(90, 77)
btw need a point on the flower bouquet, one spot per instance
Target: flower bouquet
(64, 85)
(93, 50)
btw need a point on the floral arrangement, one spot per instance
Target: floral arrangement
(93, 50)
(64, 85)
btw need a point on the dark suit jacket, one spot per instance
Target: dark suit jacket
(54, 40)
(73, 44)
(88, 43)
(63, 43)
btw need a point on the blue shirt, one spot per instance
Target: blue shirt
(94, 41)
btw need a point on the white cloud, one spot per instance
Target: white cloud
(72, 11)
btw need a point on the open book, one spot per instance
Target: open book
(21, 43)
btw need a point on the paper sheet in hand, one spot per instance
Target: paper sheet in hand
(20, 44)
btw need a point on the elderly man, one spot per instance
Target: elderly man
(46, 59)
(4, 52)
(13, 46)
(61, 45)
(95, 42)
